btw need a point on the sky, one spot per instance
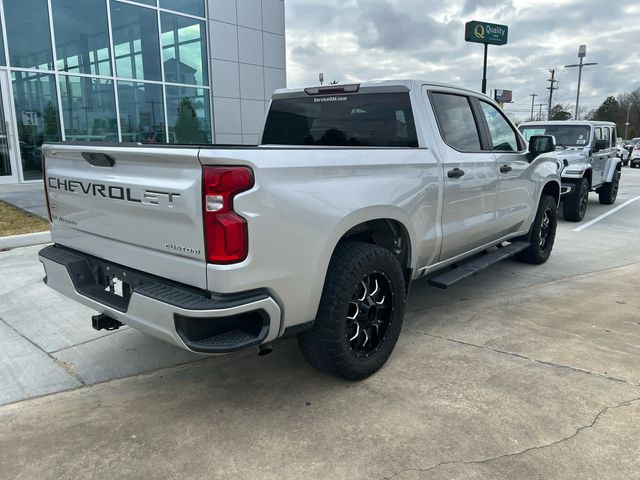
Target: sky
(359, 40)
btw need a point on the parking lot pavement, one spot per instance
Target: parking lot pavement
(519, 372)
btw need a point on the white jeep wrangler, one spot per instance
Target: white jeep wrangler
(587, 150)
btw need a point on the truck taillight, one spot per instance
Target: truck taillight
(226, 232)
(46, 188)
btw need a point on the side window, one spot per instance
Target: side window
(503, 137)
(606, 135)
(597, 134)
(456, 121)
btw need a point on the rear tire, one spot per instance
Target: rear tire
(575, 205)
(609, 191)
(542, 234)
(360, 314)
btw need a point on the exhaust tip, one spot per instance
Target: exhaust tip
(265, 349)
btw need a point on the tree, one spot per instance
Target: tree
(188, 129)
(608, 111)
(559, 113)
(51, 122)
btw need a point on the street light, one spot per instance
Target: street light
(582, 52)
(626, 125)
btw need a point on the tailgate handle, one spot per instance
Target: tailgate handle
(99, 159)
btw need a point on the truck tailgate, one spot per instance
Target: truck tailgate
(139, 206)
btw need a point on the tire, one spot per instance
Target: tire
(542, 234)
(575, 205)
(336, 343)
(609, 191)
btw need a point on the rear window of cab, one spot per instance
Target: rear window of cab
(357, 120)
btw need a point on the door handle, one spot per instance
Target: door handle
(455, 173)
(505, 169)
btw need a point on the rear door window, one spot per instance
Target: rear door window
(606, 135)
(456, 121)
(361, 120)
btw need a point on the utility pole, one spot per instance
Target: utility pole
(582, 52)
(540, 111)
(626, 125)
(533, 99)
(552, 86)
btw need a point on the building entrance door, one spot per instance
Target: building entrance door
(8, 156)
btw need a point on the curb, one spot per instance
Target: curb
(26, 240)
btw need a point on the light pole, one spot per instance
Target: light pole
(626, 125)
(582, 52)
(533, 99)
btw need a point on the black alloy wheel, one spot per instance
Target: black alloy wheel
(370, 314)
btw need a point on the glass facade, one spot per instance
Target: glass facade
(103, 70)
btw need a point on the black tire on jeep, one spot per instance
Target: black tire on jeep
(360, 314)
(575, 205)
(542, 234)
(609, 191)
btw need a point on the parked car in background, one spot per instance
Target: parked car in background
(622, 152)
(634, 156)
(631, 144)
(587, 150)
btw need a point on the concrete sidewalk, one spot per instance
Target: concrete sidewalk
(518, 386)
(27, 196)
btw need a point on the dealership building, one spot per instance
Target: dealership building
(176, 71)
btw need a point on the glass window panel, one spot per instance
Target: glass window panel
(89, 110)
(3, 60)
(456, 121)
(503, 136)
(136, 42)
(193, 7)
(28, 34)
(189, 115)
(5, 154)
(141, 112)
(184, 50)
(370, 119)
(82, 36)
(36, 104)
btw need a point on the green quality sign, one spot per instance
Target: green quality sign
(483, 32)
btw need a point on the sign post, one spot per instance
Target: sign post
(488, 34)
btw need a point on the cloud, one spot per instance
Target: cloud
(358, 40)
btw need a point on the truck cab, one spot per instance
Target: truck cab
(587, 150)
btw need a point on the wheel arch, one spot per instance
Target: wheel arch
(387, 233)
(379, 226)
(551, 188)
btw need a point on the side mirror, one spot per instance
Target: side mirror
(539, 144)
(600, 145)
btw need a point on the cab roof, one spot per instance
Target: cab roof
(369, 87)
(595, 123)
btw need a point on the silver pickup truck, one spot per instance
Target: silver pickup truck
(590, 160)
(355, 191)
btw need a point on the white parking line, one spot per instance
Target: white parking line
(597, 219)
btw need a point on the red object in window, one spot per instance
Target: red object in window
(225, 232)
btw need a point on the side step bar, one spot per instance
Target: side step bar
(472, 267)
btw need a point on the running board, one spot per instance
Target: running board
(472, 267)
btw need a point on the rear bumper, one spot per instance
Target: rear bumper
(183, 316)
